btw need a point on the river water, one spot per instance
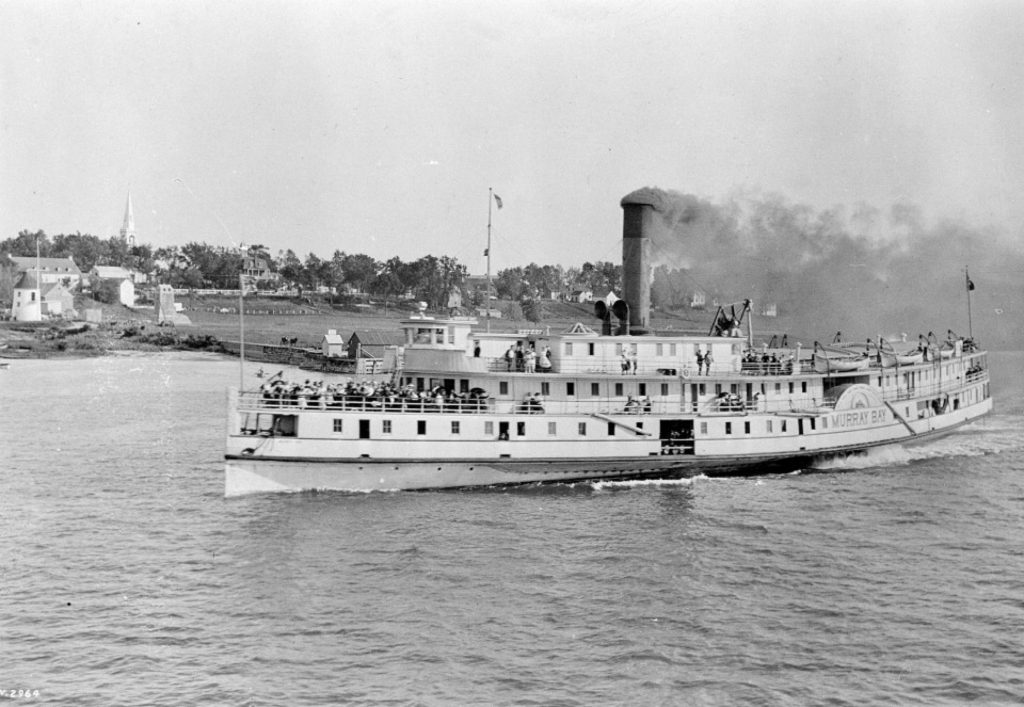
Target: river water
(128, 579)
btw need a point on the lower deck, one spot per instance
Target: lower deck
(371, 436)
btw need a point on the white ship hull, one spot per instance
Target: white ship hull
(289, 464)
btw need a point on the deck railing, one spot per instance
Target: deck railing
(722, 404)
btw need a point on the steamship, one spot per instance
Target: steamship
(458, 411)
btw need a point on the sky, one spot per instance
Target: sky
(378, 127)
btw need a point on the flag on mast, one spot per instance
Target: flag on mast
(970, 284)
(497, 200)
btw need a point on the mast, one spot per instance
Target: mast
(39, 282)
(487, 252)
(241, 331)
(970, 286)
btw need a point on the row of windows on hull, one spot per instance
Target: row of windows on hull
(581, 427)
(617, 389)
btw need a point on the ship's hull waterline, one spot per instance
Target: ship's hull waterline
(247, 474)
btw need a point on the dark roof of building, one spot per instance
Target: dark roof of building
(250, 263)
(27, 281)
(59, 265)
(374, 337)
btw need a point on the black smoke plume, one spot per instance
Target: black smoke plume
(862, 271)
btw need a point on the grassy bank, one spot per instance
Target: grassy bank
(124, 329)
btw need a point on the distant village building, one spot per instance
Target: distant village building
(475, 288)
(167, 310)
(373, 343)
(257, 268)
(123, 278)
(582, 296)
(333, 344)
(27, 300)
(769, 310)
(51, 270)
(58, 301)
(698, 300)
(482, 312)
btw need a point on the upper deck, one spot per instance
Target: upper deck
(452, 345)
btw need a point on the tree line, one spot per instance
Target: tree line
(200, 265)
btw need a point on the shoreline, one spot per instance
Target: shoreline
(86, 340)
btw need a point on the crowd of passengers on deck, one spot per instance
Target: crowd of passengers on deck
(372, 394)
(766, 364)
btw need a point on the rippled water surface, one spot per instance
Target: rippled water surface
(129, 579)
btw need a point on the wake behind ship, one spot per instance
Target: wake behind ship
(462, 407)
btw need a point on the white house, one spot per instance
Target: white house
(27, 300)
(333, 344)
(58, 300)
(50, 269)
(125, 286)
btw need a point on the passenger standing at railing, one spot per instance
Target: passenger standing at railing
(544, 360)
(707, 363)
(700, 361)
(531, 360)
(510, 357)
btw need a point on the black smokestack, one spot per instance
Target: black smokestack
(639, 210)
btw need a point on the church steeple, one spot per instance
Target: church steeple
(128, 228)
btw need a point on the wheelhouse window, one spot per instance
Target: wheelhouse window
(503, 388)
(568, 348)
(570, 388)
(421, 427)
(386, 427)
(552, 428)
(590, 349)
(455, 427)
(582, 429)
(338, 424)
